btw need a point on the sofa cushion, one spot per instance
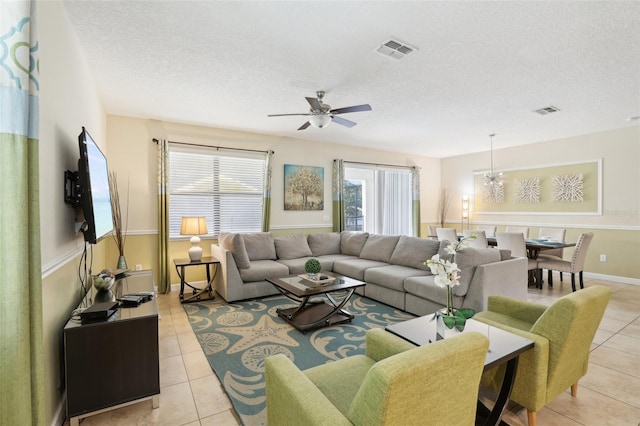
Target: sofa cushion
(355, 268)
(379, 247)
(324, 243)
(352, 242)
(260, 246)
(260, 270)
(391, 276)
(292, 246)
(414, 251)
(426, 288)
(235, 244)
(467, 259)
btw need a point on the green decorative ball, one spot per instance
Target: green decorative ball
(312, 266)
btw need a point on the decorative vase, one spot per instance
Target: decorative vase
(122, 263)
(442, 331)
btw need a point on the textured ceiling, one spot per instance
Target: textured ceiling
(479, 67)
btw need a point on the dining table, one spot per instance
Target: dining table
(534, 246)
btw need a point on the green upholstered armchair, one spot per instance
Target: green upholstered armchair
(395, 383)
(562, 332)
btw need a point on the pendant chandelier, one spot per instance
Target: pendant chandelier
(492, 178)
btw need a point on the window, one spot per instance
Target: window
(354, 205)
(226, 187)
(378, 200)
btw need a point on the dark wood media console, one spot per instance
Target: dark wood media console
(113, 362)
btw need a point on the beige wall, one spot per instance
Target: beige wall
(68, 101)
(617, 229)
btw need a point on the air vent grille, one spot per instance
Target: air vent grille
(547, 110)
(395, 49)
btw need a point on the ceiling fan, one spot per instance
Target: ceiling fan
(321, 114)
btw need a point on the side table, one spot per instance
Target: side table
(199, 294)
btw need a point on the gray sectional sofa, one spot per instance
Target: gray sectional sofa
(392, 267)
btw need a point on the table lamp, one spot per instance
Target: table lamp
(194, 225)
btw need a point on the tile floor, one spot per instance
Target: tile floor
(608, 395)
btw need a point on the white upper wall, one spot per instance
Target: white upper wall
(132, 154)
(620, 154)
(68, 101)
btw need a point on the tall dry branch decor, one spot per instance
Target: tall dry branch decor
(119, 228)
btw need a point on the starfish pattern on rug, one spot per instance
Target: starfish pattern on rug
(265, 331)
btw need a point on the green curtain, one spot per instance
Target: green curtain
(415, 199)
(21, 339)
(266, 203)
(164, 262)
(338, 195)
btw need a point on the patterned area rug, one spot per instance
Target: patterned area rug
(236, 338)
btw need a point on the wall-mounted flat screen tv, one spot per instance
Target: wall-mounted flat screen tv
(93, 179)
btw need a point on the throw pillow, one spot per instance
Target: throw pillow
(260, 246)
(292, 247)
(324, 243)
(235, 244)
(379, 247)
(414, 251)
(352, 242)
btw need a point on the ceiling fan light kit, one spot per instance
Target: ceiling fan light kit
(320, 120)
(321, 114)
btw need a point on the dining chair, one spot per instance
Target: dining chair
(479, 242)
(514, 241)
(432, 231)
(523, 229)
(489, 230)
(562, 334)
(555, 234)
(448, 234)
(576, 265)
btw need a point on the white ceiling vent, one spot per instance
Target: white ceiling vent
(395, 49)
(547, 110)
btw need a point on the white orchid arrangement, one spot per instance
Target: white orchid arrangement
(447, 275)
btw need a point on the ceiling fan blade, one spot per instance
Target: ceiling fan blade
(315, 105)
(304, 126)
(284, 115)
(342, 121)
(355, 108)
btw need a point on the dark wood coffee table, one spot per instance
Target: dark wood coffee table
(312, 314)
(504, 347)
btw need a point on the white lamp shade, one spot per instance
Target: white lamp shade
(193, 225)
(320, 120)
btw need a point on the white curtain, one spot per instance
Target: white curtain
(393, 203)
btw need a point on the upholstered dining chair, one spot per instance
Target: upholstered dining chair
(432, 231)
(479, 242)
(562, 335)
(489, 230)
(555, 234)
(449, 234)
(523, 229)
(576, 265)
(395, 383)
(514, 241)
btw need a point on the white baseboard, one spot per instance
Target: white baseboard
(613, 278)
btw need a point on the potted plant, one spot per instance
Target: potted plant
(312, 267)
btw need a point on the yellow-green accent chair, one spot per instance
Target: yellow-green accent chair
(395, 383)
(562, 333)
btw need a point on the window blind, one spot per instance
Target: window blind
(225, 187)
